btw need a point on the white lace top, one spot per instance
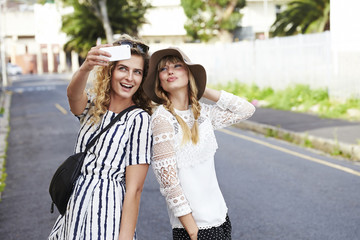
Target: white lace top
(186, 173)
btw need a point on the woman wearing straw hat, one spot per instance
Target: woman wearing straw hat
(184, 143)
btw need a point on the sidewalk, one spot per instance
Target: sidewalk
(333, 136)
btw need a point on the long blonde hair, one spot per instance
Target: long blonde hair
(102, 84)
(188, 134)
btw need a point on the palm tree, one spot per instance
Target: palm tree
(302, 16)
(84, 27)
(100, 10)
(82, 33)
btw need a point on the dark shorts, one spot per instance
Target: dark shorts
(222, 232)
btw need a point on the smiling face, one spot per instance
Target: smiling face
(126, 78)
(173, 76)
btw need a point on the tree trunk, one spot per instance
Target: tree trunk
(106, 22)
(229, 9)
(225, 36)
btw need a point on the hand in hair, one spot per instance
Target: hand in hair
(211, 94)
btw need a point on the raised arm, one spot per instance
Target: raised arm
(211, 94)
(229, 109)
(76, 89)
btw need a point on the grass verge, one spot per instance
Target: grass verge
(298, 98)
(4, 147)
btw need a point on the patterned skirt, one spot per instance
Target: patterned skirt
(222, 232)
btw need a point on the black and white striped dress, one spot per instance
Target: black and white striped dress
(94, 209)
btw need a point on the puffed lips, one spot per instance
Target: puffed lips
(171, 79)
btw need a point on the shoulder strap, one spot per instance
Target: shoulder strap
(109, 126)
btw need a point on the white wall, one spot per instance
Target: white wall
(19, 23)
(277, 63)
(165, 22)
(345, 35)
(48, 24)
(259, 15)
(344, 19)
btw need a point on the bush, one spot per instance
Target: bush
(300, 98)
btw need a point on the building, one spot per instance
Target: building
(166, 21)
(258, 16)
(34, 41)
(32, 37)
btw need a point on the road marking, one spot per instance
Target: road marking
(339, 167)
(61, 109)
(33, 89)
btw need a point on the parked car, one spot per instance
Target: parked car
(13, 69)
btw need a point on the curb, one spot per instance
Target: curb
(333, 147)
(5, 99)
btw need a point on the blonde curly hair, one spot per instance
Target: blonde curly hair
(188, 134)
(102, 83)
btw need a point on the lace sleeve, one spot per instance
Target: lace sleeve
(164, 166)
(230, 109)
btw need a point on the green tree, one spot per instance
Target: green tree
(99, 8)
(84, 26)
(207, 19)
(302, 16)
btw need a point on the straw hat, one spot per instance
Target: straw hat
(197, 70)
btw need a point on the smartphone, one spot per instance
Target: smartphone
(121, 52)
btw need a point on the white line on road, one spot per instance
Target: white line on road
(60, 108)
(33, 89)
(339, 167)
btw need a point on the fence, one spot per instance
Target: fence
(280, 62)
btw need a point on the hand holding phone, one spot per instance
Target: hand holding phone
(121, 52)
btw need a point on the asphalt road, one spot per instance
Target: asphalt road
(274, 190)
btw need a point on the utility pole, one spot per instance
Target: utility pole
(2, 43)
(266, 32)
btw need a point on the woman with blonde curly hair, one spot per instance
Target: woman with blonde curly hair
(184, 144)
(106, 197)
